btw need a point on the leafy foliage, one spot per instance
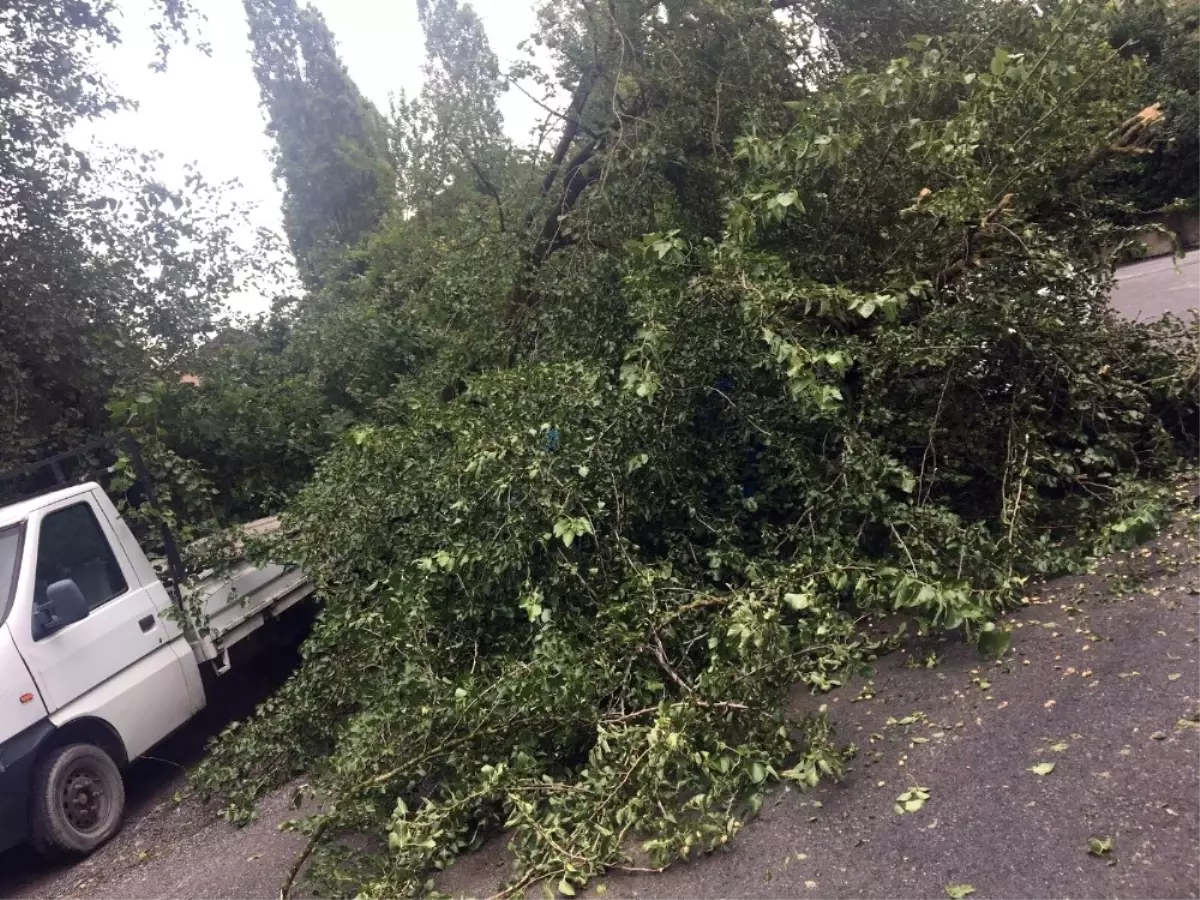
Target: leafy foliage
(1166, 36)
(750, 366)
(792, 319)
(265, 401)
(106, 273)
(109, 277)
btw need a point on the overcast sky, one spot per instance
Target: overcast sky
(205, 109)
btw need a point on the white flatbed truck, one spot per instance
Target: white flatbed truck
(97, 662)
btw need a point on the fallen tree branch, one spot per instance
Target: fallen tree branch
(703, 704)
(301, 859)
(1125, 138)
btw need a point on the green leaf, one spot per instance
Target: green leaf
(993, 643)
(758, 772)
(1099, 846)
(564, 888)
(797, 601)
(1041, 768)
(958, 891)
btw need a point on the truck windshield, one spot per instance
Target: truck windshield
(10, 547)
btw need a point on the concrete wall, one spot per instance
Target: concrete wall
(1186, 227)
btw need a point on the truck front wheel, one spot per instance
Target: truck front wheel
(78, 801)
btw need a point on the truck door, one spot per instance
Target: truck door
(119, 663)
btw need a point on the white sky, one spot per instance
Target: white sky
(205, 109)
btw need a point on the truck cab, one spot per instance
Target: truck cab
(98, 663)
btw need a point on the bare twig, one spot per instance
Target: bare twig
(703, 704)
(753, 424)
(661, 655)
(514, 889)
(695, 604)
(929, 448)
(912, 565)
(565, 116)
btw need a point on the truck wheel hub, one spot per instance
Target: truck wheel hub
(82, 799)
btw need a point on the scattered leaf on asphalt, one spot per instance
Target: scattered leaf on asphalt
(1041, 768)
(911, 800)
(1049, 703)
(1173, 677)
(911, 719)
(1099, 846)
(958, 891)
(564, 888)
(1158, 736)
(1060, 747)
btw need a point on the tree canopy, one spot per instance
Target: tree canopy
(106, 273)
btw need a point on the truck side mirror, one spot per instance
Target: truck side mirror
(64, 605)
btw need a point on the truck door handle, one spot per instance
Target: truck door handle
(147, 623)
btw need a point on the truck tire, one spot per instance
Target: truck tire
(78, 801)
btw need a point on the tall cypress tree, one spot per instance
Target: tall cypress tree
(330, 141)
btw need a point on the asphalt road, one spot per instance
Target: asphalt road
(1147, 290)
(161, 813)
